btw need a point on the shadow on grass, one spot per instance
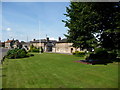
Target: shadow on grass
(28, 56)
(2, 75)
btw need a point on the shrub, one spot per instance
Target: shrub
(112, 56)
(79, 54)
(29, 55)
(35, 49)
(16, 53)
(101, 53)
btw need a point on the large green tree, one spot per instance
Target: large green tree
(91, 24)
(81, 25)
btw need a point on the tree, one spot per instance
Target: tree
(81, 25)
(92, 24)
(109, 24)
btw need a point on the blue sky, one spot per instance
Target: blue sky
(33, 19)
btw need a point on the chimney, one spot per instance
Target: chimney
(8, 39)
(47, 39)
(59, 38)
(33, 39)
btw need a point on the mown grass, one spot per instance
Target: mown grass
(49, 70)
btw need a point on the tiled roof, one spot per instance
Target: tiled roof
(8, 41)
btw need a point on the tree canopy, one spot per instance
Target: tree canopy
(91, 24)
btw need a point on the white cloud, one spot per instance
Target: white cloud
(8, 29)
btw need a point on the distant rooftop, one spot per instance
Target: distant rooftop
(50, 41)
(8, 41)
(63, 41)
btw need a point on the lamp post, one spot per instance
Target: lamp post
(39, 38)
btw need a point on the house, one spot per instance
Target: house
(60, 46)
(63, 46)
(26, 45)
(17, 44)
(13, 44)
(9, 43)
(46, 44)
(2, 44)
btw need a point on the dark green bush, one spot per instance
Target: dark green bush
(102, 54)
(35, 50)
(29, 55)
(79, 54)
(112, 56)
(100, 51)
(16, 53)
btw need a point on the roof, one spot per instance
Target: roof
(42, 41)
(8, 41)
(2, 42)
(63, 41)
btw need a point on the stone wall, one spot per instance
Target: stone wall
(64, 48)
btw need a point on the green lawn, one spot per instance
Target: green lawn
(50, 70)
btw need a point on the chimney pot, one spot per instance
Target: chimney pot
(59, 38)
(33, 39)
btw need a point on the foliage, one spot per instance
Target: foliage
(16, 53)
(79, 53)
(34, 49)
(93, 24)
(102, 54)
(112, 56)
(81, 25)
(100, 51)
(41, 49)
(29, 55)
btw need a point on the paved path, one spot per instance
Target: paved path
(3, 52)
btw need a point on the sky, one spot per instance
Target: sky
(33, 20)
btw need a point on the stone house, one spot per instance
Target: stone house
(60, 46)
(9, 43)
(26, 46)
(46, 44)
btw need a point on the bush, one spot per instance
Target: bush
(35, 49)
(112, 56)
(16, 53)
(29, 55)
(79, 54)
(102, 54)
